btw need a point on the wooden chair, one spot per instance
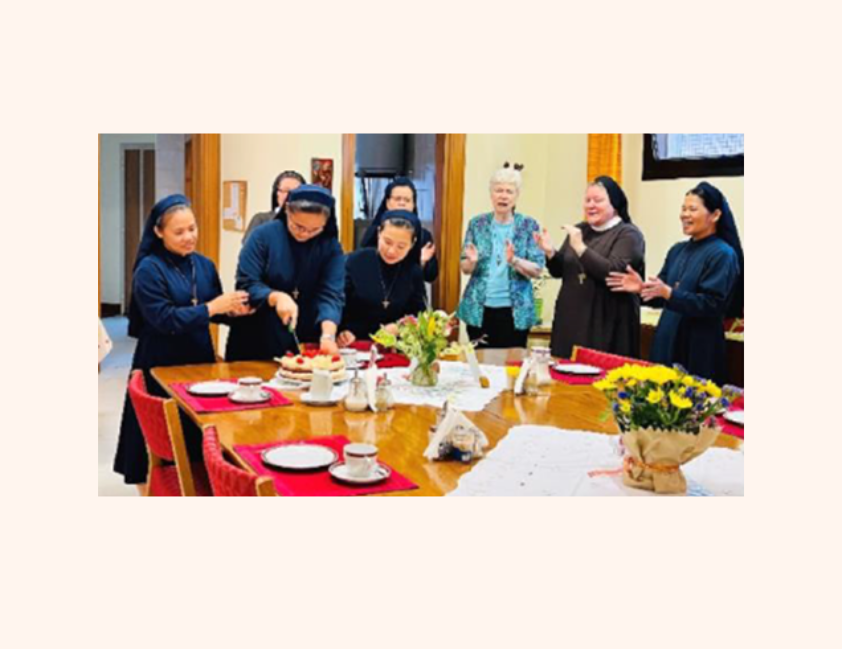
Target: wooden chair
(227, 480)
(604, 360)
(170, 470)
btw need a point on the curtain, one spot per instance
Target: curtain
(605, 156)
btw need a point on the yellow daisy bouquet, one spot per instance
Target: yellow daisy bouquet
(661, 397)
(666, 418)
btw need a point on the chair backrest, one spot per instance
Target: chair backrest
(226, 479)
(603, 359)
(152, 417)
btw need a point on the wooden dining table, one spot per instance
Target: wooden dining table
(401, 434)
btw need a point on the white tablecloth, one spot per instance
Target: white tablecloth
(456, 384)
(545, 461)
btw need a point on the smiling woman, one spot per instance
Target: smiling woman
(176, 295)
(384, 284)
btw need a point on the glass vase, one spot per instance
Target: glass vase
(424, 376)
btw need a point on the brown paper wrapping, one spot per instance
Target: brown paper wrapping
(654, 457)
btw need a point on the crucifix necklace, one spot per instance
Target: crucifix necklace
(194, 285)
(386, 294)
(295, 292)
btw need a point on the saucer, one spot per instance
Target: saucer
(308, 399)
(340, 473)
(236, 397)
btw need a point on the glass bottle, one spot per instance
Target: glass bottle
(357, 399)
(383, 397)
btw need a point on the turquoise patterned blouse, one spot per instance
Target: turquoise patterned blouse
(480, 233)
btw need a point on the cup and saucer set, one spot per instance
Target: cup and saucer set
(359, 465)
(246, 391)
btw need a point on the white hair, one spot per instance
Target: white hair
(507, 176)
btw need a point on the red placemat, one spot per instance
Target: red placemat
(388, 360)
(569, 379)
(729, 428)
(208, 405)
(319, 483)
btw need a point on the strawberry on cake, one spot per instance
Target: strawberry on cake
(300, 367)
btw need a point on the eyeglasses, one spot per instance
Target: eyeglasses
(300, 229)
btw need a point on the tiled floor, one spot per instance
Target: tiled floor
(112, 391)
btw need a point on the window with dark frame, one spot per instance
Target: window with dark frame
(692, 155)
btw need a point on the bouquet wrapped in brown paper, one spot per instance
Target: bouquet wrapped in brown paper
(654, 457)
(666, 418)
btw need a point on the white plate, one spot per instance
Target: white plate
(577, 369)
(308, 399)
(737, 417)
(212, 389)
(340, 472)
(238, 398)
(299, 457)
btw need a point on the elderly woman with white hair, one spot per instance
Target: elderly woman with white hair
(502, 257)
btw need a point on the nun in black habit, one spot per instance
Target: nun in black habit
(401, 194)
(293, 269)
(384, 284)
(587, 313)
(286, 182)
(700, 285)
(176, 294)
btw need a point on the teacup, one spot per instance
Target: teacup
(321, 386)
(361, 460)
(249, 388)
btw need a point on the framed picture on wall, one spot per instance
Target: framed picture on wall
(322, 173)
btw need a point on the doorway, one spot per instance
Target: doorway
(138, 199)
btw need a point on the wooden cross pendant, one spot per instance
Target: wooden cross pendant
(295, 295)
(386, 304)
(582, 278)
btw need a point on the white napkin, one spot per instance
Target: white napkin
(521, 378)
(371, 382)
(453, 419)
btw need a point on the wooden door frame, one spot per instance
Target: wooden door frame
(448, 217)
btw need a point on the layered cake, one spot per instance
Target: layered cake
(301, 367)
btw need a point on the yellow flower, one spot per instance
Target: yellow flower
(605, 385)
(631, 383)
(712, 389)
(655, 397)
(689, 381)
(431, 328)
(680, 401)
(662, 375)
(625, 407)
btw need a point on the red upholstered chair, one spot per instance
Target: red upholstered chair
(161, 425)
(228, 480)
(604, 360)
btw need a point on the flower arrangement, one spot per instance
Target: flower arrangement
(666, 417)
(423, 338)
(662, 398)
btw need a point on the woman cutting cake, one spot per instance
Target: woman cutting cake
(294, 272)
